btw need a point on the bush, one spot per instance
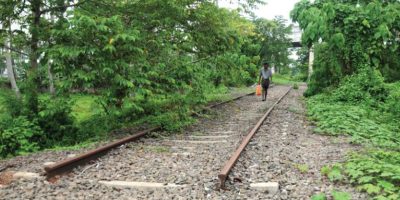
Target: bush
(392, 104)
(56, 122)
(4, 83)
(327, 70)
(11, 105)
(366, 85)
(17, 136)
(96, 128)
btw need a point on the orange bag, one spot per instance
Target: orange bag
(258, 90)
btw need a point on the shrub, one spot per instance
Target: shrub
(96, 127)
(10, 103)
(366, 85)
(392, 103)
(4, 82)
(17, 136)
(56, 122)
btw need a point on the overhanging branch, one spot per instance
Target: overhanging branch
(14, 50)
(61, 7)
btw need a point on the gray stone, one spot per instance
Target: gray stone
(26, 175)
(270, 187)
(144, 185)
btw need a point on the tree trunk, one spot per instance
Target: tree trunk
(310, 62)
(33, 80)
(9, 62)
(10, 70)
(51, 80)
(49, 64)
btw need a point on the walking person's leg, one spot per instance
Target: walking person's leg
(265, 88)
(263, 94)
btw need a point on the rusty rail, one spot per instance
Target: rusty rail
(223, 175)
(70, 163)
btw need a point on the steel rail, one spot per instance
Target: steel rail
(223, 175)
(66, 165)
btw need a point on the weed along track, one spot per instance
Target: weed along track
(186, 165)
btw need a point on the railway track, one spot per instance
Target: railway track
(64, 166)
(185, 163)
(235, 156)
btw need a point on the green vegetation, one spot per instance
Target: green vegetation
(355, 87)
(303, 168)
(334, 173)
(341, 195)
(284, 79)
(84, 68)
(367, 115)
(318, 197)
(336, 195)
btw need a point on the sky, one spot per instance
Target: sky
(271, 9)
(268, 11)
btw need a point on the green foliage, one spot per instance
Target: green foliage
(347, 35)
(303, 168)
(56, 122)
(320, 196)
(327, 70)
(392, 102)
(377, 172)
(366, 85)
(84, 106)
(275, 41)
(96, 128)
(333, 173)
(10, 105)
(283, 79)
(341, 195)
(129, 64)
(17, 136)
(4, 82)
(363, 107)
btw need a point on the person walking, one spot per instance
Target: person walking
(266, 77)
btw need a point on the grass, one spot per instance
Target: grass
(84, 107)
(283, 79)
(303, 168)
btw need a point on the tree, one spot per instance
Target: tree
(274, 36)
(355, 33)
(30, 16)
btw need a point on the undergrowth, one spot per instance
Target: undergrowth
(79, 121)
(366, 109)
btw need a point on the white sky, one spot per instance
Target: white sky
(270, 10)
